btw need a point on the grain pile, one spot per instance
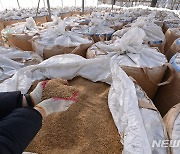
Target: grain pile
(86, 127)
(58, 88)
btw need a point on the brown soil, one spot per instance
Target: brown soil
(86, 127)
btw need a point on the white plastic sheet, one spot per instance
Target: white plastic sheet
(8, 67)
(57, 35)
(176, 135)
(151, 30)
(131, 51)
(153, 122)
(8, 63)
(122, 99)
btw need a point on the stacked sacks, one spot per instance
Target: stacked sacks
(18, 35)
(55, 40)
(172, 122)
(175, 47)
(11, 60)
(171, 35)
(154, 36)
(168, 95)
(146, 65)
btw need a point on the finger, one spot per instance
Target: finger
(43, 83)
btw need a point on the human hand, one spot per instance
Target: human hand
(36, 94)
(55, 105)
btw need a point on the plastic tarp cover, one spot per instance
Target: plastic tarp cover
(8, 65)
(122, 98)
(176, 135)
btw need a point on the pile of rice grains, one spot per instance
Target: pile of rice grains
(86, 127)
(58, 88)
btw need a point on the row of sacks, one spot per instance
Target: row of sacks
(39, 19)
(98, 28)
(20, 34)
(167, 101)
(137, 119)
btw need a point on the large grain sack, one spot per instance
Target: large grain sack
(19, 35)
(146, 65)
(168, 95)
(122, 102)
(81, 128)
(172, 122)
(20, 41)
(175, 47)
(171, 35)
(58, 50)
(153, 37)
(55, 41)
(97, 32)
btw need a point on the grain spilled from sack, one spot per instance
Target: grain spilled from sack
(86, 127)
